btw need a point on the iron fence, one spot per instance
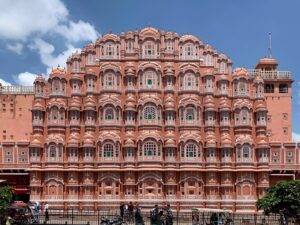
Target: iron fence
(72, 217)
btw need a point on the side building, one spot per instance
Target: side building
(15, 131)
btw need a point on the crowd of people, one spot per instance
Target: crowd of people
(158, 216)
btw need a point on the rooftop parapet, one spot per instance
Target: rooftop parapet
(271, 75)
(16, 90)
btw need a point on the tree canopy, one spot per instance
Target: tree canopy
(283, 198)
(6, 196)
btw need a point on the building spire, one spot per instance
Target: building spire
(270, 46)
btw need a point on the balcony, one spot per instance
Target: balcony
(56, 123)
(271, 75)
(130, 123)
(150, 122)
(153, 162)
(227, 162)
(90, 123)
(170, 123)
(112, 88)
(150, 88)
(169, 88)
(110, 123)
(212, 163)
(109, 162)
(190, 123)
(191, 163)
(74, 122)
(189, 89)
(57, 94)
(37, 123)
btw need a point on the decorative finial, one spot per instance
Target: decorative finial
(270, 45)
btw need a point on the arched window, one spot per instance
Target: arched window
(188, 51)
(245, 153)
(245, 116)
(76, 66)
(208, 60)
(109, 80)
(150, 112)
(190, 114)
(190, 81)
(242, 87)
(222, 67)
(52, 151)
(54, 113)
(150, 79)
(90, 58)
(56, 85)
(109, 114)
(108, 150)
(149, 49)
(190, 150)
(109, 49)
(150, 148)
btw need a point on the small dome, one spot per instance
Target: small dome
(260, 105)
(129, 143)
(58, 72)
(75, 104)
(170, 143)
(89, 103)
(209, 103)
(240, 72)
(37, 105)
(169, 103)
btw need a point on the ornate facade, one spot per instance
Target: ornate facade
(150, 117)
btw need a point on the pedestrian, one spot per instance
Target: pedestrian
(138, 216)
(169, 215)
(154, 215)
(122, 210)
(47, 213)
(37, 212)
(131, 208)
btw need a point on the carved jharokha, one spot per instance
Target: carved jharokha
(150, 117)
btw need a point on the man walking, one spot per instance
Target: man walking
(154, 215)
(169, 215)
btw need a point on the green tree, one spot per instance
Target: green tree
(6, 196)
(283, 198)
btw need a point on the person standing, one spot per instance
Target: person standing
(122, 210)
(47, 213)
(138, 216)
(130, 208)
(154, 215)
(169, 215)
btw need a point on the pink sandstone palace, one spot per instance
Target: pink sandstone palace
(149, 116)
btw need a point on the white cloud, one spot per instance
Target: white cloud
(16, 48)
(25, 78)
(46, 52)
(4, 83)
(20, 19)
(78, 31)
(296, 137)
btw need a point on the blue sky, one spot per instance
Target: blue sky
(36, 35)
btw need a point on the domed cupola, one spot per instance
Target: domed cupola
(75, 103)
(209, 104)
(130, 104)
(169, 104)
(90, 103)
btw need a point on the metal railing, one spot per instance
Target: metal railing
(179, 218)
(270, 75)
(14, 89)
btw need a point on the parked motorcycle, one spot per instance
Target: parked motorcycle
(114, 221)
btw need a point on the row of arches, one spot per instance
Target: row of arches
(152, 113)
(153, 186)
(152, 149)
